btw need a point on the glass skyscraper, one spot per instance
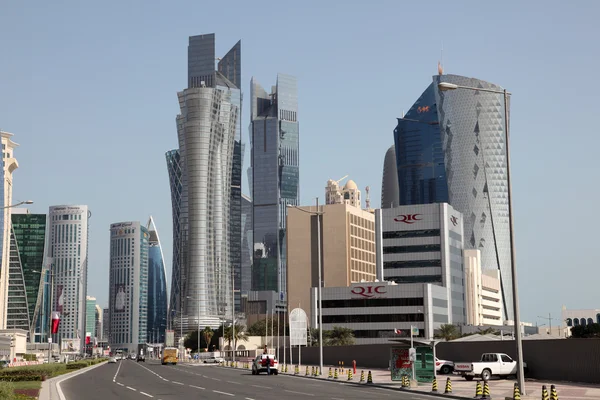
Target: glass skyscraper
(275, 178)
(157, 287)
(90, 317)
(450, 148)
(206, 193)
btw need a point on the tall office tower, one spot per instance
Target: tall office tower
(275, 178)
(157, 287)
(106, 324)
(450, 148)
(247, 245)
(128, 285)
(90, 316)
(390, 194)
(9, 165)
(27, 292)
(202, 185)
(98, 322)
(68, 251)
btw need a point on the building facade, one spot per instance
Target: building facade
(90, 317)
(247, 245)
(68, 252)
(424, 244)
(390, 193)
(157, 287)
(483, 295)
(580, 317)
(98, 322)
(9, 165)
(201, 174)
(28, 249)
(275, 162)
(128, 285)
(106, 324)
(450, 148)
(374, 310)
(347, 253)
(349, 194)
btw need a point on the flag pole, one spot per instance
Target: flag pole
(412, 348)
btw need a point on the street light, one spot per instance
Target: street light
(320, 304)
(198, 299)
(50, 306)
(444, 86)
(18, 204)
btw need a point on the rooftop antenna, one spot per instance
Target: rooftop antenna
(441, 62)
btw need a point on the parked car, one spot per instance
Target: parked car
(213, 360)
(491, 364)
(444, 367)
(260, 364)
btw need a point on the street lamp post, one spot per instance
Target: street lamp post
(443, 86)
(18, 204)
(319, 294)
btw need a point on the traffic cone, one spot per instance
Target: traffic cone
(335, 374)
(369, 379)
(553, 393)
(516, 392)
(486, 390)
(362, 376)
(545, 393)
(448, 386)
(478, 390)
(434, 387)
(330, 375)
(350, 374)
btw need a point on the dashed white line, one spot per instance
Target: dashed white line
(177, 383)
(146, 394)
(302, 393)
(117, 373)
(225, 393)
(264, 387)
(215, 379)
(197, 387)
(336, 398)
(235, 383)
(166, 380)
(120, 384)
(130, 388)
(248, 398)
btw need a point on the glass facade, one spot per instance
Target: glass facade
(175, 182)
(90, 317)
(450, 147)
(17, 313)
(157, 288)
(247, 244)
(275, 178)
(390, 195)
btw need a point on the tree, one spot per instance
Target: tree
(240, 334)
(207, 333)
(191, 341)
(313, 337)
(586, 331)
(339, 336)
(263, 327)
(447, 332)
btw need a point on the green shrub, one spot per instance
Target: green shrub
(77, 365)
(29, 357)
(7, 391)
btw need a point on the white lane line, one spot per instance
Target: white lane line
(263, 387)
(235, 383)
(61, 395)
(248, 398)
(302, 393)
(225, 393)
(176, 383)
(120, 384)
(146, 394)
(166, 380)
(197, 387)
(336, 398)
(130, 388)
(215, 379)
(115, 377)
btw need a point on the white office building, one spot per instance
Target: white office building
(483, 294)
(423, 244)
(128, 286)
(68, 253)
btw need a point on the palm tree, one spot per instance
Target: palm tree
(447, 332)
(339, 336)
(208, 333)
(240, 334)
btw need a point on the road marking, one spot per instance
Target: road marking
(120, 384)
(115, 377)
(166, 380)
(248, 398)
(146, 394)
(264, 387)
(130, 388)
(225, 393)
(58, 388)
(177, 383)
(304, 394)
(197, 387)
(235, 383)
(336, 398)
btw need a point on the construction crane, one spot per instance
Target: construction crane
(341, 179)
(368, 200)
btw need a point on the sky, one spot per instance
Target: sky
(89, 90)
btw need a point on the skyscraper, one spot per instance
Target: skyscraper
(247, 244)
(90, 318)
(275, 178)
(67, 247)
(99, 320)
(9, 164)
(28, 244)
(128, 285)
(450, 148)
(157, 287)
(390, 194)
(201, 174)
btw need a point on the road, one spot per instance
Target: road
(128, 380)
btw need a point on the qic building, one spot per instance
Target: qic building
(275, 161)
(450, 148)
(128, 285)
(68, 252)
(206, 252)
(157, 287)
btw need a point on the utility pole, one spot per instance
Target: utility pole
(549, 319)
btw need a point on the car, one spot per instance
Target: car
(141, 358)
(214, 360)
(260, 364)
(112, 360)
(444, 367)
(491, 364)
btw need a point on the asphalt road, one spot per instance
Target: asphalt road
(128, 380)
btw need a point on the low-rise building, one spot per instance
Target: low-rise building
(580, 317)
(483, 292)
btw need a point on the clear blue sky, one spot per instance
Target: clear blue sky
(89, 90)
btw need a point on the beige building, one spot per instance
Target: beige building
(9, 165)
(349, 194)
(348, 249)
(483, 295)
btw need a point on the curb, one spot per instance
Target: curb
(50, 386)
(374, 385)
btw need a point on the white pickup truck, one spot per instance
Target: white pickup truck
(491, 364)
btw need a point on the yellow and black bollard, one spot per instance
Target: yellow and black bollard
(553, 393)
(330, 375)
(478, 390)
(297, 370)
(516, 392)
(317, 371)
(350, 374)
(369, 378)
(486, 390)
(448, 389)
(434, 387)
(312, 371)
(362, 376)
(545, 393)
(306, 373)
(335, 374)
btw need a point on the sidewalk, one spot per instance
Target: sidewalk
(499, 388)
(49, 390)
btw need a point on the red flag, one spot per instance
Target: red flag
(88, 337)
(55, 321)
